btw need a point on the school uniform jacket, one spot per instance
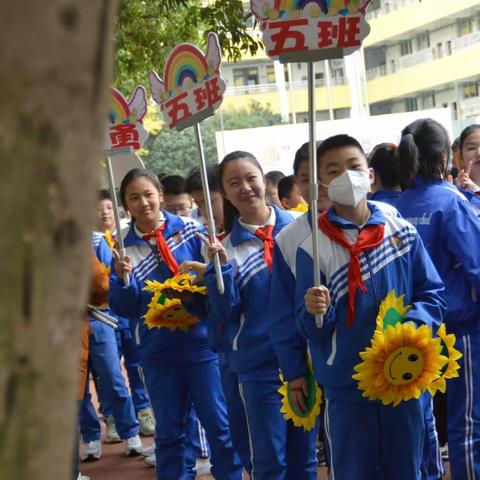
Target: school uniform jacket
(400, 263)
(241, 314)
(161, 347)
(450, 230)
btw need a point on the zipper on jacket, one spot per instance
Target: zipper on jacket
(235, 340)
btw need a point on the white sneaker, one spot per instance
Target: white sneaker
(148, 451)
(111, 434)
(82, 477)
(92, 451)
(146, 422)
(151, 460)
(203, 466)
(133, 446)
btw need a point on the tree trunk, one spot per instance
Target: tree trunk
(55, 59)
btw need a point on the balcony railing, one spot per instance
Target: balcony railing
(471, 107)
(272, 87)
(427, 55)
(390, 6)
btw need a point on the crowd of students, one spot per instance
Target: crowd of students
(405, 218)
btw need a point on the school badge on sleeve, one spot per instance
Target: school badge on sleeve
(307, 419)
(164, 312)
(402, 361)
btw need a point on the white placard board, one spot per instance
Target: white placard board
(275, 146)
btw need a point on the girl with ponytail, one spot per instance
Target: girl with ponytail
(450, 230)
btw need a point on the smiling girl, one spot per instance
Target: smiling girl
(178, 366)
(469, 147)
(242, 313)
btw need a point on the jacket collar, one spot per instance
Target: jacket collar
(239, 233)
(174, 224)
(376, 218)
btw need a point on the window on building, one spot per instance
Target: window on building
(471, 89)
(423, 41)
(411, 105)
(439, 50)
(428, 100)
(340, 113)
(465, 26)
(245, 76)
(406, 47)
(270, 73)
(336, 70)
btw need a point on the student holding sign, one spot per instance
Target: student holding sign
(178, 365)
(365, 254)
(280, 451)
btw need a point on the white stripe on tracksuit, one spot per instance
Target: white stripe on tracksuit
(469, 457)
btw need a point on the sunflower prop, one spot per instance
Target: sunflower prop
(307, 419)
(109, 239)
(164, 312)
(402, 361)
(179, 283)
(450, 369)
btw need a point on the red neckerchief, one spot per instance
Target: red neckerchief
(163, 248)
(266, 235)
(370, 237)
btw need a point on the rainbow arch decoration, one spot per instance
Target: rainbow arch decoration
(125, 120)
(311, 30)
(191, 88)
(187, 65)
(274, 9)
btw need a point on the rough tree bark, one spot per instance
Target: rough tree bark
(55, 59)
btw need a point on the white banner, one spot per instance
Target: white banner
(275, 147)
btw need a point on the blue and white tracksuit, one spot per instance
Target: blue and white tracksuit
(280, 451)
(386, 196)
(359, 432)
(179, 367)
(450, 229)
(104, 360)
(433, 467)
(128, 350)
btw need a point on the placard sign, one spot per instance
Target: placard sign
(310, 31)
(192, 88)
(126, 130)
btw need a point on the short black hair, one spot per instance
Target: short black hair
(385, 163)
(104, 194)
(274, 177)
(174, 185)
(285, 187)
(336, 142)
(193, 181)
(302, 155)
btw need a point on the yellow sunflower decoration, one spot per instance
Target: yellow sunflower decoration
(109, 239)
(164, 312)
(402, 361)
(307, 419)
(450, 369)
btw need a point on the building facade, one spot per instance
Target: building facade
(417, 56)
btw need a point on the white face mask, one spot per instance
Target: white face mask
(349, 188)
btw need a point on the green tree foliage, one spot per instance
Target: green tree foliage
(176, 152)
(146, 31)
